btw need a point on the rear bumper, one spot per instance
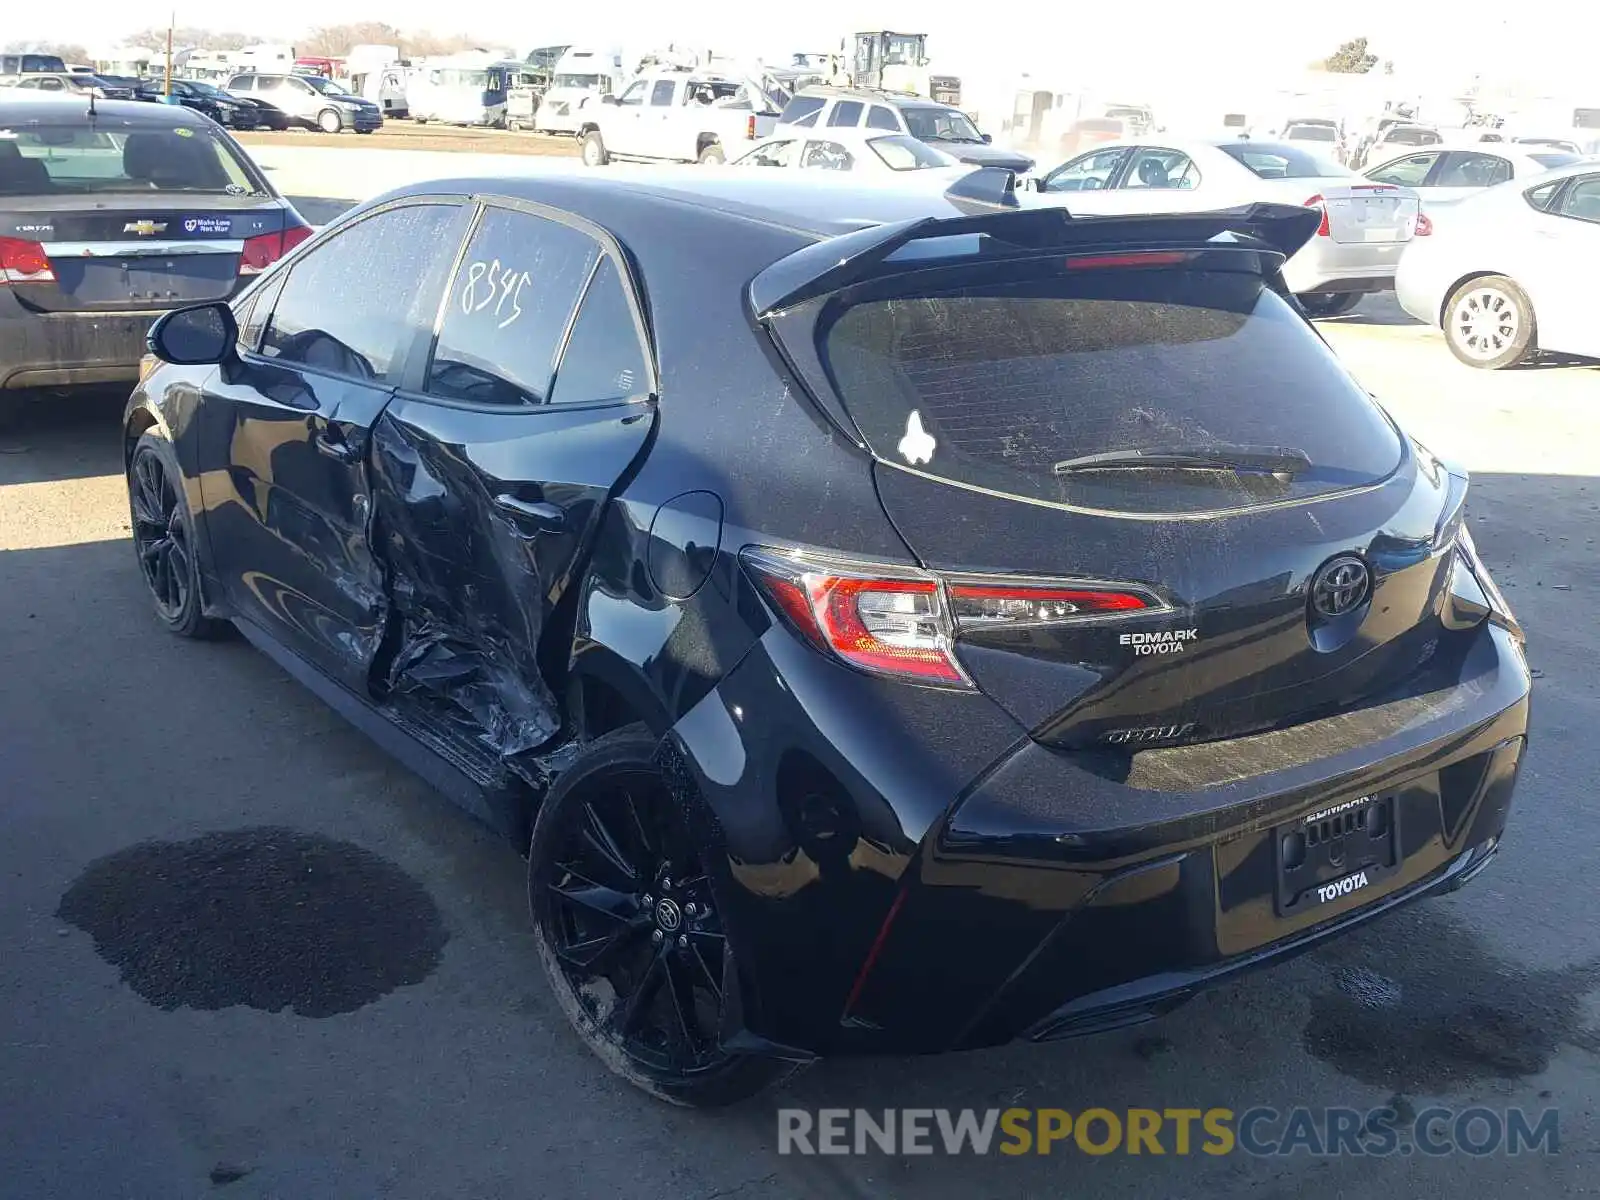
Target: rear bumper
(66, 349)
(1328, 266)
(1051, 898)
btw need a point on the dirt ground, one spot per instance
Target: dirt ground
(408, 135)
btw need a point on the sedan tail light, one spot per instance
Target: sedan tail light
(22, 261)
(1424, 226)
(1318, 202)
(261, 251)
(903, 623)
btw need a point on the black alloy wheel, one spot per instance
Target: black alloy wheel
(629, 931)
(163, 539)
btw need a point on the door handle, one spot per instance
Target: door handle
(332, 443)
(544, 515)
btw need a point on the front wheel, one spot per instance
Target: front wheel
(329, 121)
(1489, 323)
(594, 150)
(1330, 304)
(629, 929)
(163, 539)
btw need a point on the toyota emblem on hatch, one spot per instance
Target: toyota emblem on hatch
(1340, 586)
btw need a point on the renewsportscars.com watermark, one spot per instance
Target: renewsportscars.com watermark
(1261, 1131)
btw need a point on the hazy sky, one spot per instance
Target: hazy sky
(1168, 35)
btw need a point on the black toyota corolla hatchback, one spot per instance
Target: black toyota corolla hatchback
(889, 622)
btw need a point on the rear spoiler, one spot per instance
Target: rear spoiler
(835, 263)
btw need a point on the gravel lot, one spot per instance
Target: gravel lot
(439, 1065)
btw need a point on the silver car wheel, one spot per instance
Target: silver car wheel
(1485, 322)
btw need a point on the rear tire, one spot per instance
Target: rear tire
(636, 958)
(594, 150)
(329, 121)
(1489, 324)
(1330, 304)
(713, 155)
(164, 541)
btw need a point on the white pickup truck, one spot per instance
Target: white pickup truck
(678, 116)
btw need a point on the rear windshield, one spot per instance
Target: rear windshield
(1553, 159)
(901, 153)
(1313, 133)
(1412, 137)
(51, 160)
(1009, 379)
(1276, 160)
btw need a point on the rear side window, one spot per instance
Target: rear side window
(879, 117)
(1012, 378)
(603, 359)
(845, 113)
(508, 309)
(1277, 160)
(802, 110)
(350, 304)
(1541, 196)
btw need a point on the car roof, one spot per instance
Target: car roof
(875, 95)
(853, 134)
(24, 109)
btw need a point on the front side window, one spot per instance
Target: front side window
(941, 125)
(1409, 171)
(634, 94)
(879, 117)
(826, 156)
(508, 309)
(773, 154)
(351, 305)
(1088, 173)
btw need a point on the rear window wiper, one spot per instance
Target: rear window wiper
(1284, 461)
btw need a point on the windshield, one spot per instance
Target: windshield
(1012, 376)
(1312, 133)
(78, 160)
(1274, 160)
(940, 125)
(586, 83)
(901, 153)
(324, 85)
(903, 50)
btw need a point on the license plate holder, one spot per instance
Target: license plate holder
(1337, 851)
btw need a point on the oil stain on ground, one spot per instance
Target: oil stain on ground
(270, 918)
(1444, 1013)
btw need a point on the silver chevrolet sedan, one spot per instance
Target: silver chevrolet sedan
(1365, 225)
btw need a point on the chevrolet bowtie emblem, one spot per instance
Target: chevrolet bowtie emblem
(146, 228)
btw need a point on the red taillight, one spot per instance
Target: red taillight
(1424, 226)
(261, 251)
(750, 127)
(903, 623)
(22, 261)
(1317, 202)
(1137, 258)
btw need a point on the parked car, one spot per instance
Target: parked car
(138, 89)
(676, 116)
(1394, 136)
(26, 64)
(105, 225)
(1510, 271)
(941, 126)
(863, 153)
(1444, 174)
(1365, 226)
(71, 85)
(887, 625)
(1323, 132)
(1562, 145)
(310, 101)
(213, 101)
(268, 116)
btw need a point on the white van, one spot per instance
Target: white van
(581, 78)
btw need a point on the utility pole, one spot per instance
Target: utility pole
(172, 19)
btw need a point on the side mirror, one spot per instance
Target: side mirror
(194, 336)
(608, 98)
(1034, 183)
(988, 138)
